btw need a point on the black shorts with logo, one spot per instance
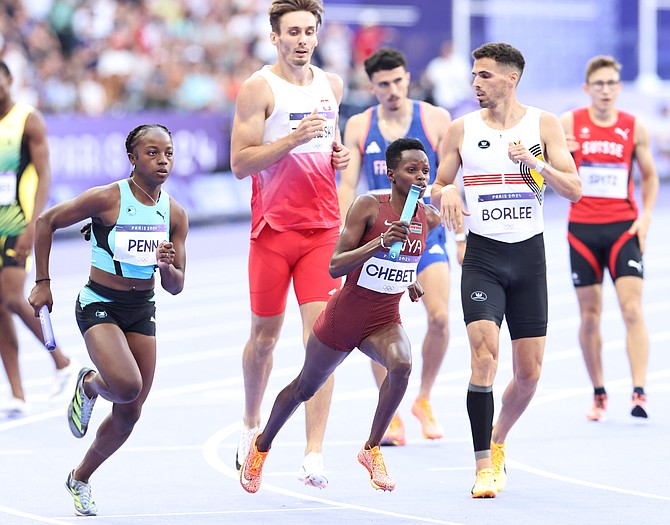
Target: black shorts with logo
(594, 247)
(131, 311)
(509, 280)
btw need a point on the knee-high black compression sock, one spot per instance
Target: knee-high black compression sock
(480, 412)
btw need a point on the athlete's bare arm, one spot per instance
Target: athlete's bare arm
(349, 177)
(438, 120)
(567, 122)
(649, 183)
(560, 171)
(348, 255)
(100, 203)
(173, 270)
(254, 104)
(433, 218)
(444, 195)
(341, 153)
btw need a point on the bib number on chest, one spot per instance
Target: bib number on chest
(320, 144)
(385, 276)
(503, 212)
(137, 243)
(608, 181)
(7, 187)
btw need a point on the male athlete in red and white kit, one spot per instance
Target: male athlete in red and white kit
(286, 137)
(605, 227)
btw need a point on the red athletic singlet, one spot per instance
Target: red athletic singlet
(604, 161)
(297, 192)
(371, 294)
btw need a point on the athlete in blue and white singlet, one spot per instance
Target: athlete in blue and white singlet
(128, 248)
(139, 234)
(374, 168)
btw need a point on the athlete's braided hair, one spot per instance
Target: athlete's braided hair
(135, 135)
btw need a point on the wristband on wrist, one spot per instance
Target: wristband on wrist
(42, 280)
(448, 187)
(539, 166)
(460, 237)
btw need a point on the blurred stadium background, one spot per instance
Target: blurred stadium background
(97, 68)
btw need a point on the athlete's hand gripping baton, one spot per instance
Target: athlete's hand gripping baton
(47, 329)
(406, 216)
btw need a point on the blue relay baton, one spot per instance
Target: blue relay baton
(47, 329)
(406, 216)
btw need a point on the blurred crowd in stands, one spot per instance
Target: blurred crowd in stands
(116, 56)
(95, 56)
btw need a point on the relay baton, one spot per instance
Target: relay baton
(406, 216)
(47, 329)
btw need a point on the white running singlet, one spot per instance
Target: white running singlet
(505, 199)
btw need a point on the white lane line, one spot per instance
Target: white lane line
(202, 513)
(34, 517)
(581, 482)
